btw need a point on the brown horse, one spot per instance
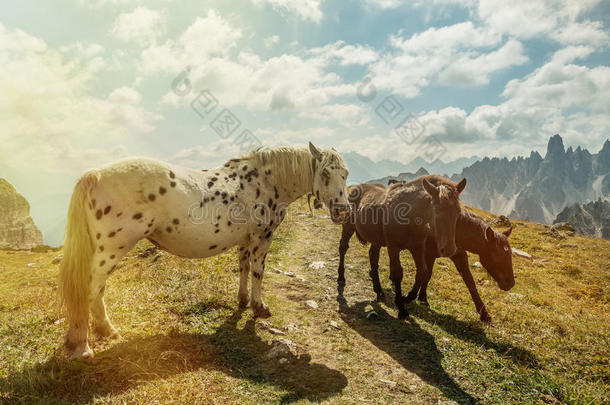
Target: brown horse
(401, 217)
(473, 235)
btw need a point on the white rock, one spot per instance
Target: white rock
(317, 265)
(283, 361)
(289, 274)
(58, 259)
(282, 348)
(312, 304)
(334, 325)
(521, 253)
(392, 384)
(477, 264)
(31, 264)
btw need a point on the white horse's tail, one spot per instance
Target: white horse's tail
(75, 268)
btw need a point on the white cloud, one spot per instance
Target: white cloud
(304, 9)
(446, 55)
(554, 18)
(468, 70)
(142, 25)
(207, 37)
(271, 41)
(49, 120)
(346, 54)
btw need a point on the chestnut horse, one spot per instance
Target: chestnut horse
(401, 217)
(472, 234)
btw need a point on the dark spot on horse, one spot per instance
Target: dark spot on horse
(99, 235)
(137, 216)
(103, 262)
(112, 256)
(93, 203)
(98, 214)
(172, 175)
(255, 249)
(201, 204)
(244, 168)
(256, 275)
(152, 197)
(225, 202)
(111, 234)
(176, 221)
(119, 230)
(212, 247)
(217, 230)
(210, 184)
(172, 184)
(277, 194)
(162, 190)
(107, 210)
(232, 198)
(228, 223)
(224, 195)
(262, 211)
(212, 198)
(268, 235)
(217, 192)
(119, 214)
(149, 224)
(258, 192)
(101, 248)
(121, 247)
(241, 186)
(340, 193)
(214, 178)
(168, 229)
(218, 217)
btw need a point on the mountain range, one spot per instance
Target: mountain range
(538, 188)
(591, 219)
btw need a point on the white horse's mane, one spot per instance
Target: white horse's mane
(287, 162)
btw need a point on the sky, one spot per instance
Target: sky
(85, 83)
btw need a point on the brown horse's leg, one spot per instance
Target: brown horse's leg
(421, 272)
(461, 262)
(396, 277)
(422, 297)
(374, 272)
(346, 233)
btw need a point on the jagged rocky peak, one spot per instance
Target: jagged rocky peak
(17, 228)
(591, 219)
(555, 147)
(421, 172)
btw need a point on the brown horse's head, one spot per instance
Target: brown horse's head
(446, 208)
(330, 174)
(496, 257)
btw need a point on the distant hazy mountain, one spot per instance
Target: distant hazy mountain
(363, 169)
(592, 219)
(536, 188)
(407, 176)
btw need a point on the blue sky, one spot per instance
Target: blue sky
(84, 83)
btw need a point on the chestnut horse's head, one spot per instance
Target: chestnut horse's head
(446, 208)
(496, 257)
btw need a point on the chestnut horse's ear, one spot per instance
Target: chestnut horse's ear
(490, 234)
(461, 186)
(430, 188)
(508, 231)
(315, 152)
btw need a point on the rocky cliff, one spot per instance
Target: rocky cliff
(17, 229)
(592, 219)
(536, 188)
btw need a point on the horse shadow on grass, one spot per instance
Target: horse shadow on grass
(469, 332)
(407, 343)
(238, 353)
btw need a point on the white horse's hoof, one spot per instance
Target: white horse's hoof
(260, 310)
(82, 351)
(243, 301)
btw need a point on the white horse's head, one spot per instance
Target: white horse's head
(330, 174)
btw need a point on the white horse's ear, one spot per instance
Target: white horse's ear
(315, 152)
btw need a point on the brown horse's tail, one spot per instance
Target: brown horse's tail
(75, 267)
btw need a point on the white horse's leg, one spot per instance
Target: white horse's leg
(244, 272)
(258, 252)
(109, 251)
(76, 340)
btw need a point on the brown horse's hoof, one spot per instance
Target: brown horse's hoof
(485, 317)
(424, 303)
(408, 298)
(260, 311)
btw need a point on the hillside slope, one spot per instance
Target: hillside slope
(183, 341)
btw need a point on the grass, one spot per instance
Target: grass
(183, 341)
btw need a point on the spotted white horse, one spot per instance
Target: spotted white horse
(188, 213)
